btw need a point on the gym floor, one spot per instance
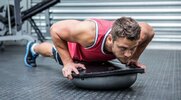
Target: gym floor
(161, 81)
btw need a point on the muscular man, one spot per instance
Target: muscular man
(92, 40)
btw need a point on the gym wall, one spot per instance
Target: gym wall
(163, 15)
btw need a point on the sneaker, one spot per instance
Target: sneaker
(30, 58)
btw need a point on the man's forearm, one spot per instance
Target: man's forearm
(64, 54)
(137, 53)
(141, 47)
(61, 46)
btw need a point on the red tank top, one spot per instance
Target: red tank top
(94, 52)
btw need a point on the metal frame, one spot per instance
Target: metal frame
(37, 30)
(48, 22)
(18, 23)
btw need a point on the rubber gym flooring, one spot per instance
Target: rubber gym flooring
(162, 80)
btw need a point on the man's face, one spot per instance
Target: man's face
(123, 49)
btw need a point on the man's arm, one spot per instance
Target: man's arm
(146, 36)
(68, 31)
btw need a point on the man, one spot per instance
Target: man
(92, 40)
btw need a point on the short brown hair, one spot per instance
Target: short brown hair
(126, 27)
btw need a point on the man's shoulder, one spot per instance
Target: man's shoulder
(146, 30)
(145, 27)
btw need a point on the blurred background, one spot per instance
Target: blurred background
(28, 20)
(163, 15)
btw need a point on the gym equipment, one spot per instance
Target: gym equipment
(19, 17)
(106, 75)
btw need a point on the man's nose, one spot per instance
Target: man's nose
(128, 53)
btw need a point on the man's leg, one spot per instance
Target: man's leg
(44, 49)
(34, 49)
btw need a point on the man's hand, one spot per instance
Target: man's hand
(71, 67)
(135, 63)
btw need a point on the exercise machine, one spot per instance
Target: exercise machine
(19, 17)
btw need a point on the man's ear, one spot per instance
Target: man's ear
(110, 39)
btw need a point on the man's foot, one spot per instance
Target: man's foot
(30, 57)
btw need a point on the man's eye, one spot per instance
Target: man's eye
(122, 49)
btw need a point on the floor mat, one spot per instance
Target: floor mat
(161, 81)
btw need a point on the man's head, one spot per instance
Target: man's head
(125, 27)
(124, 38)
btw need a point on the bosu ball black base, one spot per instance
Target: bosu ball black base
(106, 75)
